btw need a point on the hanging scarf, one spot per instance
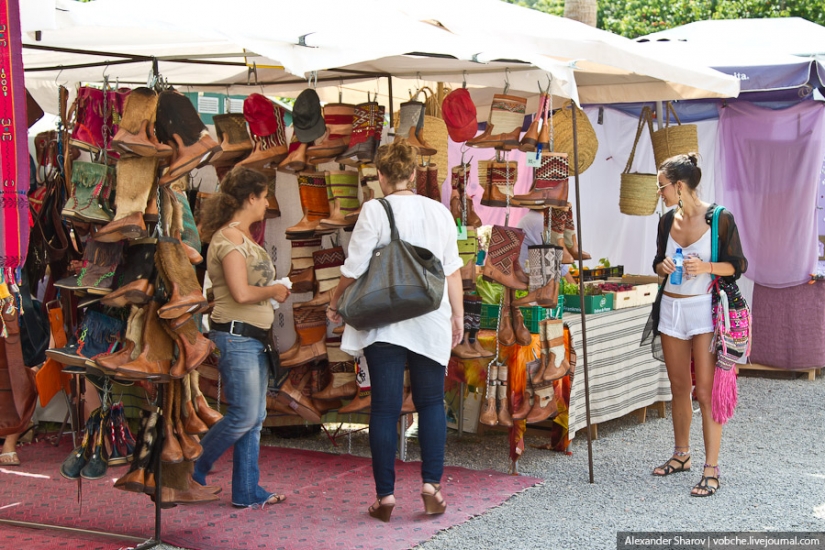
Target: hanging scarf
(14, 157)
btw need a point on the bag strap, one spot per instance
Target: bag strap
(714, 236)
(388, 209)
(645, 116)
(670, 110)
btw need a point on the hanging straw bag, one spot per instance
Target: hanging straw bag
(679, 139)
(562, 121)
(638, 192)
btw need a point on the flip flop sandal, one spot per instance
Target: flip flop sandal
(668, 468)
(15, 461)
(704, 486)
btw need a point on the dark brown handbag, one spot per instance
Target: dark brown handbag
(18, 395)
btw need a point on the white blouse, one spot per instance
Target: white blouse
(421, 222)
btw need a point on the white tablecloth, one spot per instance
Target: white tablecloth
(623, 376)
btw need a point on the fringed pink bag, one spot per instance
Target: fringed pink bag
(731, 336)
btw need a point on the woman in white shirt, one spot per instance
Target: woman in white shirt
(423, 343)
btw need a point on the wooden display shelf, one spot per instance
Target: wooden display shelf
(756, 366)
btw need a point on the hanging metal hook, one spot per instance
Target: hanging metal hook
(313, 79)
(506, 79)
(58, 75)
(464, 150)
(341, 90)
(253, 70)
(464, 79)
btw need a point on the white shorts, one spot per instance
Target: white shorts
(684, 318)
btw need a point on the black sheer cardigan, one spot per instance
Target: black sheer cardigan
(730, 250)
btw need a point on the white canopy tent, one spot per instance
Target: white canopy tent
(204, 45)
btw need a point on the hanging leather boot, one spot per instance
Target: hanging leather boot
(136, 130)
(135, 285)
(504, 124)
(207, 414)
(544, 403)
(421, 180)
(312, 188)
(557, 364)
(531, 136)
(311, 328)
(87, 109)
(489, 415)
(233, 137)
(464, 350)
(468, 252)
(522, 335)
(370, 189)
(147, 436)
(302, 271)
(411, 126)
(433, 183)
(550, 184)
(96, 466)
(335, 141)
(537, 377)
(342, 369)
(363, 398)
(293, 396)
(296, 160)
(558, 221)
(367, 122)
(472, 308)
(74, 463)
(179, 276)
(342, 190)
(461, 205)
(501, 263)
(196, 347)
(504, 418)
(328, 264)
(171, 451)
(189, 444)
(545, 276)
(500, 182)
(135, 177)
(570, 240)
(100, 261)
(155, 358)
(86, 203)
(506, 334)
(178, 123)
(521, 405)
(268, 132)
(134, 328)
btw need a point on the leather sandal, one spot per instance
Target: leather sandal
(432, 505)
(383, 511)
(704, 484)
(668, 468)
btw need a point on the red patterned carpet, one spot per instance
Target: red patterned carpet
(328, 496)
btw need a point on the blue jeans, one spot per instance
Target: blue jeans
(244, 372)
(386, 364)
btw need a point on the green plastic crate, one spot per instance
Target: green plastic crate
(599, 303)
(532, 315)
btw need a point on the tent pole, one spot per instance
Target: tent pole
(581, 293)
(389, 92)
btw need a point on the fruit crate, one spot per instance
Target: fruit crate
(601, 273)
(599, 303)
(532, 315)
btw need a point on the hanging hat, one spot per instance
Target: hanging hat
(261, 115)
(307, 117)
(459, 113)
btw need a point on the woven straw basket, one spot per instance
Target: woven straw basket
(674, 140)
(562, 121)
(638, 192)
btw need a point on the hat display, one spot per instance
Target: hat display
(307, 117)
(260, 113)
(459, 113)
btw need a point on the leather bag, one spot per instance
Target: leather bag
(402, 281)
(18, 395)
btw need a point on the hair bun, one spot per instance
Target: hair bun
(693, 158)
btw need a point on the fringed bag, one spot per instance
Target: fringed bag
(731, 334)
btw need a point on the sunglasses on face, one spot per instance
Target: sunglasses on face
(660, 187)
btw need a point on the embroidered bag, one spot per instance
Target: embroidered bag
(731, 336)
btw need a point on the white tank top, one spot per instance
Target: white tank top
(697, 284)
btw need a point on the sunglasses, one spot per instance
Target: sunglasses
(660, 187)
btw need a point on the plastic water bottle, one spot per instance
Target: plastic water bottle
(676, 276)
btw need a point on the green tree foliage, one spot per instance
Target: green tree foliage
(634, 18)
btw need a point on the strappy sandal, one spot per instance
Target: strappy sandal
(15, 461)
(383, 511)
(432, 505)
(275, 499)
(668, 468)
(703, 484)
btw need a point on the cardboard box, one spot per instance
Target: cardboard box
(472, 409)
(640, 279)
(646, 294)
(599, 303)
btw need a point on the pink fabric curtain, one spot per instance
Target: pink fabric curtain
(769, 170)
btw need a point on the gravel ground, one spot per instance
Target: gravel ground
(772, 477)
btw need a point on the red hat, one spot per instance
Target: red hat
(261, 114)
(459, 114)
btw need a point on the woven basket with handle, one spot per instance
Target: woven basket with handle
(638, 192)
(562, 121)
(679, 139)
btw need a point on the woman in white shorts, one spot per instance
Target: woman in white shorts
(682, 313)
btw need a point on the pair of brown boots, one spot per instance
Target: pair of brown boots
(495, 411)
(470, 347)
(511, 328)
